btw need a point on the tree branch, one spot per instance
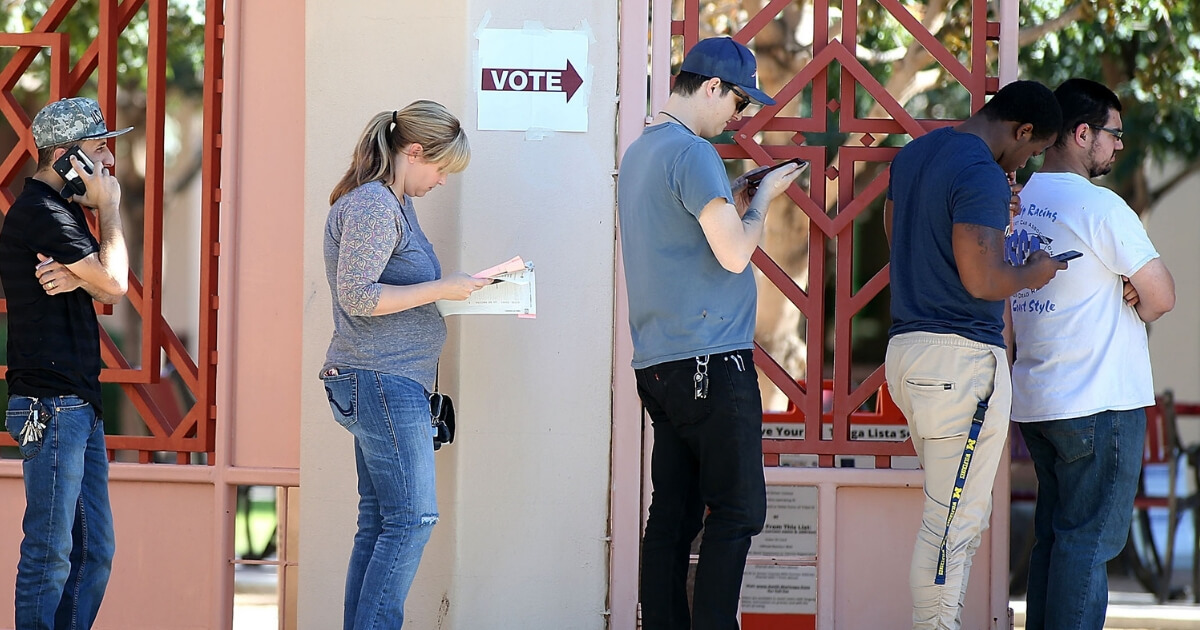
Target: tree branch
(880, 56)
(1029, 35)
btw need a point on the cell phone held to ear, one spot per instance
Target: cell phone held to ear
(74, 183)
(755, 176)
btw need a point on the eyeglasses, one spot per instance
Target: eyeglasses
(1116, 133)
(743, 98)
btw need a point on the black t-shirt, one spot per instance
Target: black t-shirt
(53, 340)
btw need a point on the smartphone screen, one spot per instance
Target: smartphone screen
(755, 177)
(759, 173)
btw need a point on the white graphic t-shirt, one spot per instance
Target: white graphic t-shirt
(1080, 349)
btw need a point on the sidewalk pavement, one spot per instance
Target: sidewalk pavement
(255, 600)
(1131, 608)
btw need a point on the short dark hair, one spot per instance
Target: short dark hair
(1084, 102)
(686, 83)
(1026, 102)
(46, 155)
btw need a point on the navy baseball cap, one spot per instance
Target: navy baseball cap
(729, 61)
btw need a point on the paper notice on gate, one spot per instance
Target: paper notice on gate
(513, 291)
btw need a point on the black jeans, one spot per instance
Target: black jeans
(707, 453)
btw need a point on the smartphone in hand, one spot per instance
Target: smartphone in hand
(1067, 255)
(62, 166)
(755, 176)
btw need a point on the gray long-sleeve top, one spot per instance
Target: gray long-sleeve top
(371, 240)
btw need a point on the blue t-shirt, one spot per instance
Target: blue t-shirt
(937, 180)
(682, 302)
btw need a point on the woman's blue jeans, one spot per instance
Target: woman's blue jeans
(388, 416)
(1087, 471)
(67, 551)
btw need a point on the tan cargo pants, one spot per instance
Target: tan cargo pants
(938, 380)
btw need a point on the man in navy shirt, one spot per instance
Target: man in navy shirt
(52, 268)
(947, 210)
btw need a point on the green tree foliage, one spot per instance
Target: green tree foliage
(185, 41)
(1147, 51)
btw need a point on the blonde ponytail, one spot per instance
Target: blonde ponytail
(422, 122)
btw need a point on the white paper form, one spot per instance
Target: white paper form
(513, 291)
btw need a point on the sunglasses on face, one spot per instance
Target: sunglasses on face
(743, 98)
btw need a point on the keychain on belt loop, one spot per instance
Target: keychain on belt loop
(701, 377)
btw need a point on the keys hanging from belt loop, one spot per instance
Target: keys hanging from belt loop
(32, 431)
(701, 377)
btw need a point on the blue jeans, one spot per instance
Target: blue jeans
(707, 453)
(67, 551)
(1087, 470)
(388, 416)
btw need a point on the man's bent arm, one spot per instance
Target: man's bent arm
(733, 239)
(979, 254)
(1155, 289)
(99, 295)
(105, 276)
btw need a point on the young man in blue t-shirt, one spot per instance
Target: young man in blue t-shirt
(948, 206)
(686, 241)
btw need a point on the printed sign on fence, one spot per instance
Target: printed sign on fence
(779, 590)
(791, 527)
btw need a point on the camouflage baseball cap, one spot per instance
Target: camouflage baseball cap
(71, 120)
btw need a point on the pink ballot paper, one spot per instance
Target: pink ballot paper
(512, 292)
(513, 265)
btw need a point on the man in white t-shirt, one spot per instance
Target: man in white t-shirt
(1081, 374)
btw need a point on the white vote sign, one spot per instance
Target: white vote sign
(532, 79)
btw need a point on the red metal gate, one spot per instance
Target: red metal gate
(171, 427)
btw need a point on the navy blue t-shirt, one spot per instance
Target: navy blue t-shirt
(937, 180)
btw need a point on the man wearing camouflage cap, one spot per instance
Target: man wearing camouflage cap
(52, 267)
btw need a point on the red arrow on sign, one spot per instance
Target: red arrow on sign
(527, 80)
